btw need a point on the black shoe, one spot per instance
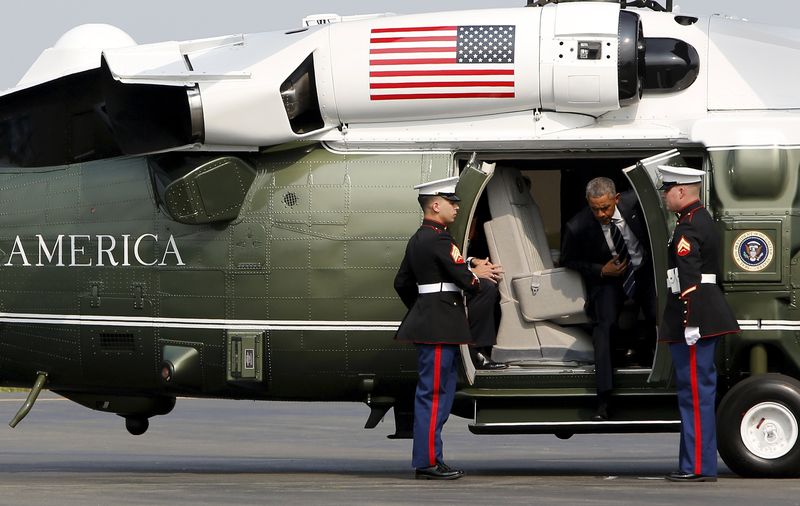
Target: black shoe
(601, 415)
(631, 358)
(680, 476)
(486, 363)
(440, 471)
(444, 466)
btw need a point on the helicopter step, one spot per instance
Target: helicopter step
(565, 430)
(570, 412)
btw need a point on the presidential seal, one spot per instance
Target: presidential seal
(753, 251)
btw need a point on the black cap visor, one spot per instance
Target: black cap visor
(452, 197)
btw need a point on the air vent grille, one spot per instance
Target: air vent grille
(117, 342)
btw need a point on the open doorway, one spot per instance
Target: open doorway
(543, 325)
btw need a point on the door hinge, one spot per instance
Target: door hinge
(138, 297)
(94, 300)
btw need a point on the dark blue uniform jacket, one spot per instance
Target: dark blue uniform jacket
(432, 257)
(695, 250)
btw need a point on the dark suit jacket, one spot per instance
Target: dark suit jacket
(584, 247)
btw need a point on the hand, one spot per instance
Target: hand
(613, 268)
(691, 335)
(485, 269)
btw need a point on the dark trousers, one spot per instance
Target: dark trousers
(605, 304)
(436, 388)
(481, 308)
(696, 382)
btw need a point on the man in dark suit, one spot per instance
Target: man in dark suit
(430, 282)
(607, 243)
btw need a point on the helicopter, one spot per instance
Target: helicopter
(224, 217)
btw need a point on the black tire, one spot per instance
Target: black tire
(773, 403)
(137, 426)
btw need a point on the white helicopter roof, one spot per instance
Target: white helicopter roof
(410, 82)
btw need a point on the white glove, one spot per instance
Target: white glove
(692, 335)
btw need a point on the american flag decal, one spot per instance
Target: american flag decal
(440, 62)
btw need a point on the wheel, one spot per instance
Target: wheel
(757, 427)
(137, 426)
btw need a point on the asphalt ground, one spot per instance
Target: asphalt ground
(243, 452)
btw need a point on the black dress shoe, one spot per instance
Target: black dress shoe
(689, 477)
(486, 363)
(444, 466)
(601, 415)
(631, 358)
(440, 471)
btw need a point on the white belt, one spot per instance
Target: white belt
(708, 278)
(437, 287)
(674, 285)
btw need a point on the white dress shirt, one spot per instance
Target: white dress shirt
(634, 248)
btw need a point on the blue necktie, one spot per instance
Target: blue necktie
(629, 280)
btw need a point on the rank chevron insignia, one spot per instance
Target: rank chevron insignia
(455, 254)
(684, 247)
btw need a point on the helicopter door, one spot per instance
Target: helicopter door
(471, 183)
(644, 177)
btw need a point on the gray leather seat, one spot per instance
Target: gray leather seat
(539, 304)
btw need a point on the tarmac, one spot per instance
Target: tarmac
(236, 452)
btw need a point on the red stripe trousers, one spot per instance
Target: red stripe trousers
(436, 388)
(696, 382)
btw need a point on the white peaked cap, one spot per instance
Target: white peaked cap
(442, 187)
(671, 176)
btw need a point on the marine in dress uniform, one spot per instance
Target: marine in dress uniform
(696, 314)
(431, 281)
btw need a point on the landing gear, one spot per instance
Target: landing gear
(757, 427)
(137, 426)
